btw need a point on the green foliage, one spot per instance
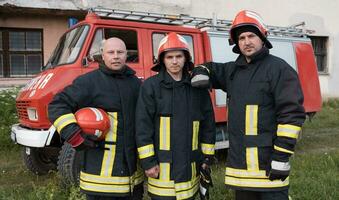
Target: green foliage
(8, 116)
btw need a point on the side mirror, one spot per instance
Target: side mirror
(85, 61)
(97, 58)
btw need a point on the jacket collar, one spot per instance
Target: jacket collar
(259, 55)
(124, 72)
(167, 81)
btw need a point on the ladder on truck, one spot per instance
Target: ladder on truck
(196, 22)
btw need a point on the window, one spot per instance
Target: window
(20, 52)
(157, 37)
(319, 44)
(128, 36)
(69, 47)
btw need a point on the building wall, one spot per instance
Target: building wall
(53, 28)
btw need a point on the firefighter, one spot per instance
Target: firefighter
(109, 167)
(175, 127)
(265, 111)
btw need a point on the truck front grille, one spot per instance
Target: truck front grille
(21, 107)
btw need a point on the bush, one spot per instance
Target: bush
(8, 116)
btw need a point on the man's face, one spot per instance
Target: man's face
(114, 53)
(174, 62)
(249, 43)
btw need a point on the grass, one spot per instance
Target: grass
(314, 175)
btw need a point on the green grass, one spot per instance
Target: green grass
(314, 175)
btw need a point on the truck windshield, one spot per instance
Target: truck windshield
(68, 47)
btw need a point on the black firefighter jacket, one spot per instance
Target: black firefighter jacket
(265, 117)
(110, 170)
(175, 129)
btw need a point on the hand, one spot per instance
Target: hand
(153, 172)
(205, 175)
(200, 77)
(205, 181)
(278, 170)
(81, 141)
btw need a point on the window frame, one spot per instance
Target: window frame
(323, 53)
(6, 52)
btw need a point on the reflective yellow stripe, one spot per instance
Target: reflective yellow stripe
(255, 183)
(146, 151)
(109, 155)
(181, 190)
(138, 177)
(207, 148)
(283, 150)
(63, 121)
(251, 120)
(186, 185)
(189, 190)
(245, 173)
(287, 130)
(161, 183)
(110, 184)
(114, 180)
(251, 128)
(195, 135)
(194, 170)
(164, 171)
(252, 158)
(161, 191)
(164, 143)
(94, 187)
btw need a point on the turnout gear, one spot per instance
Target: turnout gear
(93, 121)
(175, 130)
(108, 171)
(200, 77)
(172, 42)
(265, 117)
(248, 21)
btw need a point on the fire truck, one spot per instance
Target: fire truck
(78, 52)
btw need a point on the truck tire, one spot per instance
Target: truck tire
(69, 165)
(39, 160)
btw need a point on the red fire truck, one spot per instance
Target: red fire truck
(78, 53)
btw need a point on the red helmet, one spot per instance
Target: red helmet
(171, 42)
(94, 121)
(252, 19)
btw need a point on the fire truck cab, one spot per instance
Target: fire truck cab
(78, 52)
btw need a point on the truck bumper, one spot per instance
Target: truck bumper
(32, 138)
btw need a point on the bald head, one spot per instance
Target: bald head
(114, 53)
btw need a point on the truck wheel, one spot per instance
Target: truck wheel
(69, 165)
(39, 160)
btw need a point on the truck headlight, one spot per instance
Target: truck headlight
(32, 114)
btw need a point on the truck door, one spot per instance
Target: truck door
(132, 39)
(308, 75)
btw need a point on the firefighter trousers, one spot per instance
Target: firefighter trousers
(253, 195)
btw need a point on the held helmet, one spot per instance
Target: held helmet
(173, 42)
(93, 121)
(250, 21)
